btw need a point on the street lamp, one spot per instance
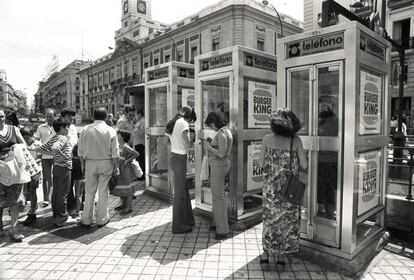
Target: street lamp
(265, 2)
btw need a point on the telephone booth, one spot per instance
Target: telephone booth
(240, 84)
(336, 80)
(168, 87)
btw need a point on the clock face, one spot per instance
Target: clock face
(125, 7)
(141, 7)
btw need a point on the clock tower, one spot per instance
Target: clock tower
(136, 20)
(134, 9)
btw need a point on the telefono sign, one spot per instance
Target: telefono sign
(314, 45)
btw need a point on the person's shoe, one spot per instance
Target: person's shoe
(219, 236)
(134, 196)
(31, 219)
(69, 221)
(212, 228)
(120, 207)
(45, 204)
(16, 237)
(82, 225)
(125, 212)
(75, 215)
(102, 225)
(184, 231)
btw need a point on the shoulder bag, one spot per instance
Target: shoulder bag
(294, 189)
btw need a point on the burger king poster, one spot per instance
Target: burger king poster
(262, 100)
(368, 180)
(254, 169)
(370, 102)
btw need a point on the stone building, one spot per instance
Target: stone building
(60, 90)
(116, 79)
(10, 99)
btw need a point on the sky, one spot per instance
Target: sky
(33, 31)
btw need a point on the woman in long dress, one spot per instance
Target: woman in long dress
(281, 219)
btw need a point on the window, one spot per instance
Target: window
(215, 44)
(156, 61)
(167, 58)
(150, 30)
(401, 32)
(193, 53)
(180, 55)
(146, 64)
(136, 33)
(260, 45)
(125, 24)
(396, 72)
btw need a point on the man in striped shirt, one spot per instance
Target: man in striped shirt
(60, 148)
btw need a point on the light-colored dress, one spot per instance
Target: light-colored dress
(281, 219)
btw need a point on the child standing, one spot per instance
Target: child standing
(78, 180)
(61, 149)
(129, 170)
(32, 146)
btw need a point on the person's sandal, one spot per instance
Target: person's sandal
(120, 207)
(16, 237)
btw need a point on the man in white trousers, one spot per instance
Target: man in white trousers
(98, 150)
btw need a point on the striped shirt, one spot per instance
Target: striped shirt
(44, 133)
(61, 149)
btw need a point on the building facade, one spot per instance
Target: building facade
(60, 90)
(398, 21)
(116, 79)
(10, 99)
(400, 26)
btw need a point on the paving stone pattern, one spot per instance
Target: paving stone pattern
(141, 246)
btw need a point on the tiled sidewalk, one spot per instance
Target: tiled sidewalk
(141, 246)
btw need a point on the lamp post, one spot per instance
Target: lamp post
(265, 2)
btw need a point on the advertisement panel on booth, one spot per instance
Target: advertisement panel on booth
(369, 180)
(262, 100)
(188, 97)
(254, 169)
(370, 104)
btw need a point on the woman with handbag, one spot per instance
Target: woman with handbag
(219, 151)
(9, 195)
(181, 140)
(281, 154)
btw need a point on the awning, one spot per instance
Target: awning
(135, 89)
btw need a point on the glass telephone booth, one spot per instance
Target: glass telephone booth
(335, 79)
(168, 87)
(239, 83)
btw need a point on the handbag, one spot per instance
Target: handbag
(113, 182)
(205, 174)
(294, 189)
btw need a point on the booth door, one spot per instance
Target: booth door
(157, 154)
(215, 97)
(315, 95)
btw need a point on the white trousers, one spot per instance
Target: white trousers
(97, 175)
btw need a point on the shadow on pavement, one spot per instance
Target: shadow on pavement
(165, 247)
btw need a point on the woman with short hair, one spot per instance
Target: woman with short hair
(219, 151)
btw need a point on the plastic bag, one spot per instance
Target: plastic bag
(205, 172)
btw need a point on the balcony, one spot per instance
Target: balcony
(407, 43)
(396, 4)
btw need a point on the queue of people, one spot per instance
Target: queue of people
(104, 153)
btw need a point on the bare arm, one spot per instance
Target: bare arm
(19, 136)
(303, 161)
(132, 154)
(187, 139)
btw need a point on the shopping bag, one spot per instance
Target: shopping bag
(9, 172)
(205, 172)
